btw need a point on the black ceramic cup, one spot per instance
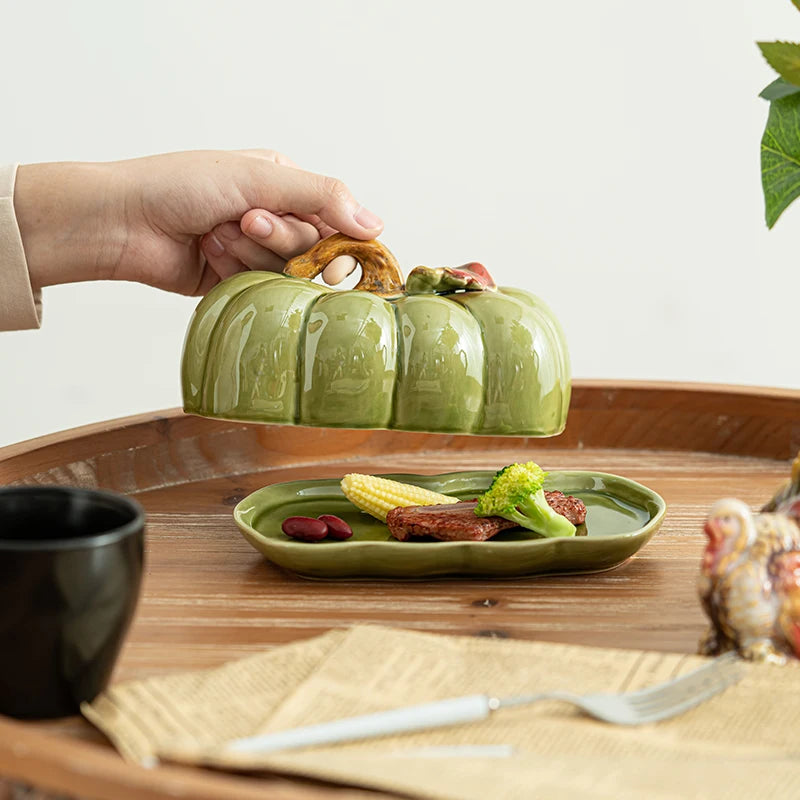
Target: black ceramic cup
(70, 571)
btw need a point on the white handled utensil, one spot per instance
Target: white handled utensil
(632, 708)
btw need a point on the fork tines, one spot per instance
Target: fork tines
(689, 690)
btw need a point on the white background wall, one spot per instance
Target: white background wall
(604, 155)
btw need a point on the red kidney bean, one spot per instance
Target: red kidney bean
(306, 529)
(337, 528)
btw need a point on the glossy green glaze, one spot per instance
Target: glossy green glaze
(348, 362)
(440, 366)
(270, 348)
(622, 516)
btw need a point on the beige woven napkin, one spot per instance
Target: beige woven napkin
(741, 744)
(146, 718)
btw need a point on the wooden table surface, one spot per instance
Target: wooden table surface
(208, 597)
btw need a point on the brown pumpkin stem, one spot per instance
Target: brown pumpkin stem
(380, 271)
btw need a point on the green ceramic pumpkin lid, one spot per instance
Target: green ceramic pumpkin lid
(445, 351)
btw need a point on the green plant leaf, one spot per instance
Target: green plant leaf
(780, 156)
(796, 4)
(784, 58)
(779, 88)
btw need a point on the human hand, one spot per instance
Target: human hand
(181, 221)
(266, 240)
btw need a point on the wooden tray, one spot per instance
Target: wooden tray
(208, 597)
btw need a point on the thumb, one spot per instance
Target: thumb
(288, 190)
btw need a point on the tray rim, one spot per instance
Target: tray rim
(697, 389)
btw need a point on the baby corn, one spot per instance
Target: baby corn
(378, 496)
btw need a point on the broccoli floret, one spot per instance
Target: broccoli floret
(517, 494)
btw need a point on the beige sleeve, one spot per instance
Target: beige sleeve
(20, 305)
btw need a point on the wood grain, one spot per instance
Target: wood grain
(208, 597)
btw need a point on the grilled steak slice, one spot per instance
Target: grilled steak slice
(456, 522)
(451, 523)
(568, 506)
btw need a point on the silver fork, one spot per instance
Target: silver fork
(652, 704)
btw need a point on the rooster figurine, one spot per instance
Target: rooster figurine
(749, 581)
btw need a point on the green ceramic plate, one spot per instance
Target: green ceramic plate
(621, 517)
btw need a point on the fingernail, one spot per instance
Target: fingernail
(214, 245)
(230, 231)
(260, 227)
(366, 219)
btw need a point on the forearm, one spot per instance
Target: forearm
(71, 219)
(154, 220)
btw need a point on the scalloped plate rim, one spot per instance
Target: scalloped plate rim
(269, 545)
